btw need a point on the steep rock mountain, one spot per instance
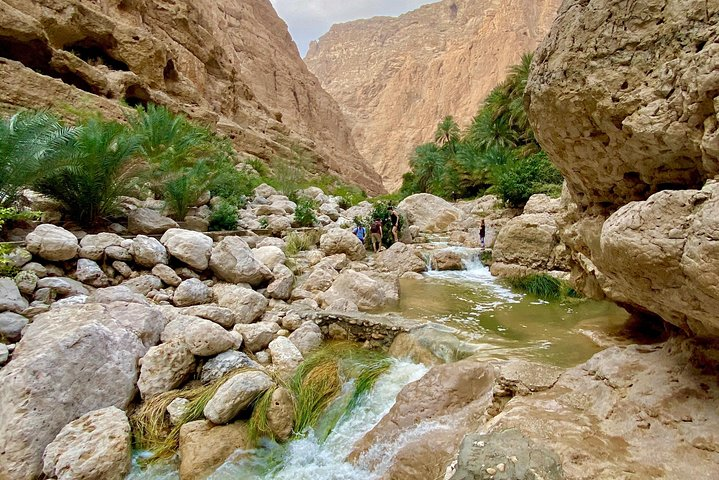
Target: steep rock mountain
(625, 99)
(396, 78)
(231, 63)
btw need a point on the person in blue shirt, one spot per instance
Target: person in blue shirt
(359, 231)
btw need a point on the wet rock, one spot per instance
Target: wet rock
(236, 394)
(280, 414)
(52, 243)
(192, 248)
(11, 325)
(10, 298)
(98, 347)
(224, 363)
(164, 368)
(447, 259)
(148, 222)
(233, 261)
(96, 445)
(428, 212)
(192, 292)
(204, 446)
(148, 251)
(429, 345)
(338, 240)
(506, 455)
(247, 305)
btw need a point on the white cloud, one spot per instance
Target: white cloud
(310, 19)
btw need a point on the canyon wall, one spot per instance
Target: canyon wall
(232, 64)
(625, 99)
(396, 78)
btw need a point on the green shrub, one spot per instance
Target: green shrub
(7, 267)
(305, 212)
(543, 286)
(259, 166)
(264, 222)
(184, 190)
(223, 217)
(96, 168)
(232, 185)
(519, 179)
(381, 210)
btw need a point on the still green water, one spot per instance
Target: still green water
(503, 323)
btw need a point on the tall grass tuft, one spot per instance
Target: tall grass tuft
(543, 286)
(296, 242)
(259, 424)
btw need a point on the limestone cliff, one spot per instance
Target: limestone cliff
(625, 99)
(396, 78)
(230, 63)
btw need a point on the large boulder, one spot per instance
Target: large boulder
(93, 246)
(338, 240)
(400, 258)
(246, 304)
(96, 445)
(435, 412)
(256, 336)
(164, 367)
(281, 286)
(286, 357)
(270, 255)
(192, 248)
(216, 367)
(148, 251)
(205, 338)
(204, 446)
(529, 241)
(52, 243)
(233, 261)
(429, 213)
(236, 394)
(365, 292)
(148, 222)
(71, 361)
(192, 292)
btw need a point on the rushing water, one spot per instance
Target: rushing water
(478, 308)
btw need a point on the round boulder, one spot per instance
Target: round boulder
(52, 243)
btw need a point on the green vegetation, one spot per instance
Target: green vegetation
(380, 209)
(7, 267)
(223, 217)
(544, 286)
(296, 242)
(496, 154)
(305, 212)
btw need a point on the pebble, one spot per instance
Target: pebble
(491, 471)
(513, 459)
(501, 467)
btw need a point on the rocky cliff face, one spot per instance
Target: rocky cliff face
(231, 63)
(396, 78)
(625, 98)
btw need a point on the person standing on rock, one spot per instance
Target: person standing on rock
(359, 231)
(482, 232)
(375, 231)
(394, 218)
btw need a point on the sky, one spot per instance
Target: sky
(310, 19)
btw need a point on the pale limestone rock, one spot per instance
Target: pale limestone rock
(176, 410)
(167, 275)
(218, 366)
(11, 325)
(118, 253)
(102, 342)
(192, 292)
(233, 261)
(177, 326)
(528, 241)
(19, 257)
(220, 315)
(286, 357)
(400, 258)
(447, 259)
(281, 286)
(148, 251)
(206, 338)
(66, 287)
(280, 414)
(122, 268)
(270, 256)
(146, 221)
(192, 248)
(90, 273)
(35, 268)
(279, 224)
(52, 243)
(338, 240)
(204, 446)
(119, 293)
(320, 279)
(270, 242)
(265, 191)
(257, 336)
(342, 305)
(4, 354)
(26, 282)
(96, 445)
(143, 284)
(365, 292)
(541, 203)
(236, 394)
(164, 368)
(307, 338)
(339, 262)
(246, 304)
(428, 212)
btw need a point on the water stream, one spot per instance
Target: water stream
(478, 308)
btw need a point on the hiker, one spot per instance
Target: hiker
(482, 232)
(395, 222)
(359, 231)
(375, 231)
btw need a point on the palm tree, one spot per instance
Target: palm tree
(29, 142)
(447, 134)
(94, 170)
(427, 164)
